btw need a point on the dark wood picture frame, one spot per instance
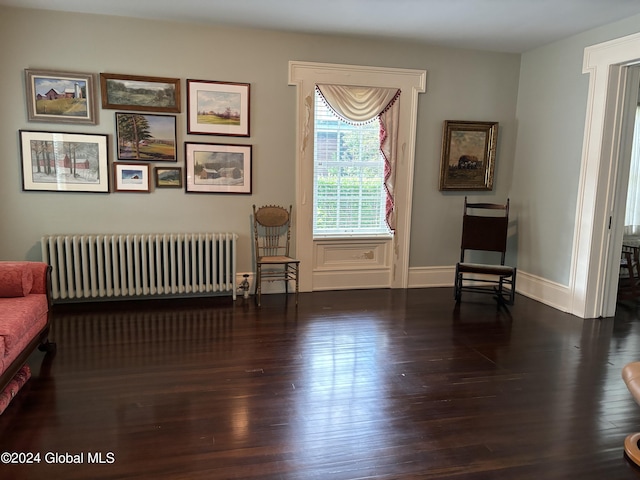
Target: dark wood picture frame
(146, 137)
(217, 168)
(168, 177)
(140, 93)
(218, 108)
(131, 177)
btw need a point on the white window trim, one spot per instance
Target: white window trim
(305, 75)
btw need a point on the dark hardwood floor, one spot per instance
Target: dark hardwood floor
(385, 384)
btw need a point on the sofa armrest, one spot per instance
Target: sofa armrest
(39, 278)
(40, 272)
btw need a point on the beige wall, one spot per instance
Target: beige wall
(461, 85)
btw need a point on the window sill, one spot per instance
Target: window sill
(346, 237)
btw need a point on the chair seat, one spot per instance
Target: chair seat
(278, 259)
(501, 270)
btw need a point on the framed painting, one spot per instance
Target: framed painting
(134, 92)
(64, 162)
(468, 155)
(60, 97)
(131, 177)
(218, 108)
(148, 137)
(168, 177)
(217, 168)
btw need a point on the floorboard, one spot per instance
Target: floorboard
(383, 384)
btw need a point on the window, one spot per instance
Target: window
(348, 191)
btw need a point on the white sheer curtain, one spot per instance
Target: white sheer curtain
(365, 104)
(632, 213)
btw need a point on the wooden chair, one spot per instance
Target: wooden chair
(629, 279)
(485, 230)
(272, 236)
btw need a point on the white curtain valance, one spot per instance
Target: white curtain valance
(357, 104)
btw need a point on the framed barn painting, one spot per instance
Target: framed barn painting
(131, 177)
(468, 155)
(216, 168)
(149, 137)
(64, 162)
(135, 92)
(218, 108)
(60, 97)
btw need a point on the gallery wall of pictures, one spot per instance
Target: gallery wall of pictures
(146, 150)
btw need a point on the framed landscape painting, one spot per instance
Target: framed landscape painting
(216, 168)
(468, 155)
(146, 137)
(64, 162)
(131, 177)
(168, 177)
(218, 108)
(135, 92)
(60, 97)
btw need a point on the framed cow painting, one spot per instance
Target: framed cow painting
(468, 155)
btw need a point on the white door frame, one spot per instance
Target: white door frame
(357, 263)
(604, 63)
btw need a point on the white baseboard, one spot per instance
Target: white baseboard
(542, 290)
(545, 291)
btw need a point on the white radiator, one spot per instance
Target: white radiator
(138, 265)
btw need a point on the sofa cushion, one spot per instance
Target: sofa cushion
(18, 317)
(16, 279)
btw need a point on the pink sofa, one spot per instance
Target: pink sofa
(25, 314)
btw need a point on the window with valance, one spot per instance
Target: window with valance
(356, 131)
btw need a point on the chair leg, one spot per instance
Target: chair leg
(286, 279)
(258, 284)
(297, 288)
(457, 293)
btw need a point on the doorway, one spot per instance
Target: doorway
(628, 188)
(591, 291)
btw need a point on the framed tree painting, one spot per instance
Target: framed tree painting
(150, 137)
(468, 155)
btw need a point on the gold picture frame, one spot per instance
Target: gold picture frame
(468, 155)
